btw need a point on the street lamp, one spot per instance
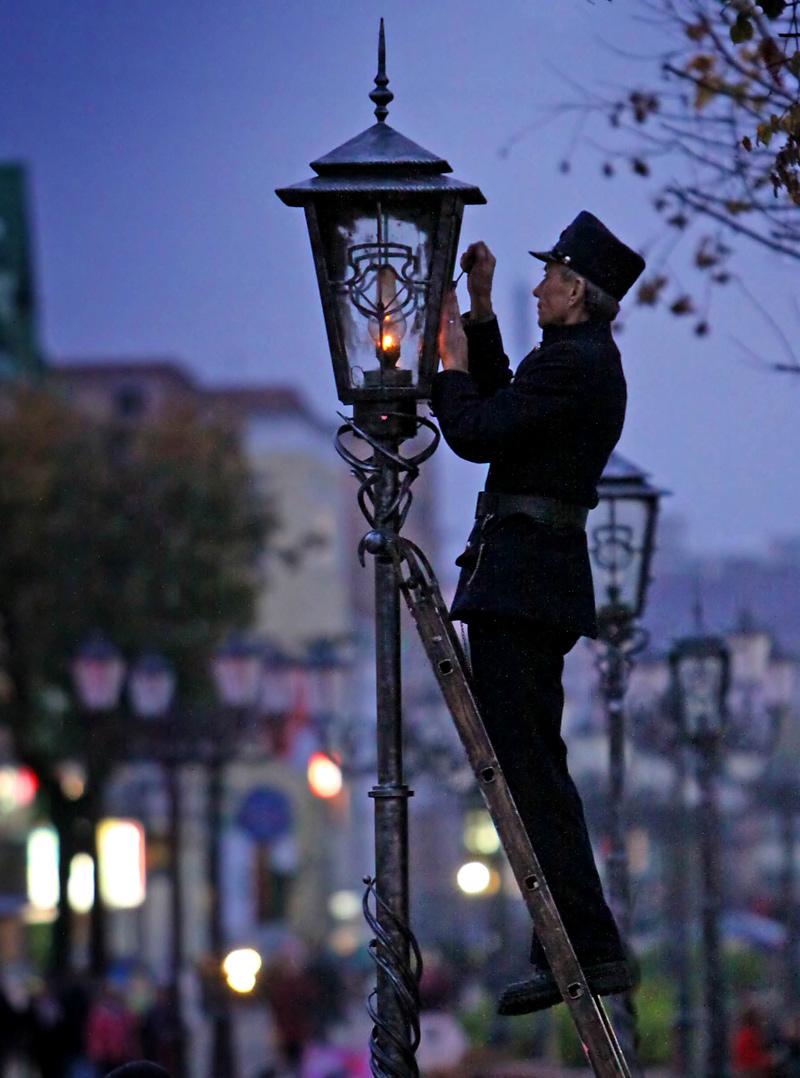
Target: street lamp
(151, 691)
(700, 671)
(236, 669)
(98, 673)
(384, 222)
(621, 539)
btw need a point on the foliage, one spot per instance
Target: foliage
(722, 109)
(655, 1012)
(150, 533)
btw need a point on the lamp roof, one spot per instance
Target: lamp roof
(623, 479)
(379, 159)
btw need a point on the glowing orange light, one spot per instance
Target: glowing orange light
(388, 340)
(324, 776)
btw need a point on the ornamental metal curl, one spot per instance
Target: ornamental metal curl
(367, 471)
(404, 977)
(366, 261)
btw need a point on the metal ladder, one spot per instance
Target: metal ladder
(420, 588)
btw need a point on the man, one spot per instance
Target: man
(525, 589)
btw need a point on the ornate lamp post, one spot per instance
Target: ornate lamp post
(151, 691)
(383, 221)
(237, 673)
(700, 675)
(98, 673)
(621, 536)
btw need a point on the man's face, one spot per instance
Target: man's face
(557, 298)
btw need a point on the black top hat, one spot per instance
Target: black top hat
(591, 250)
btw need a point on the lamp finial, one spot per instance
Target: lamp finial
(381, 95)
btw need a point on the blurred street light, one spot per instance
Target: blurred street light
(621, 539)
(237, 670)
(700, 675)
(98, 673)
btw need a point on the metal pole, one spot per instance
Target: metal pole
(679, 892)
(716, 1047)
(98, 954)
(176, 902)
(221, 1033)
(614, 668)
(790, 906)
(395, 1033)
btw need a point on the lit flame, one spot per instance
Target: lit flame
(388, 340)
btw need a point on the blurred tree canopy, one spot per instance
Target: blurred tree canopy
(152, 534)
(721, 111)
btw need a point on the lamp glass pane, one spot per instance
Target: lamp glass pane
(616, 532)
(237, 678)
(378, 260)
(700, 685)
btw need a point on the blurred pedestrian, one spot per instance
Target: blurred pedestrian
(112, 1035)
(751, 1054)
(293, 996)
(788, 1048)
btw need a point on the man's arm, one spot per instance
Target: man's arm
(542, 401)
(474, 345)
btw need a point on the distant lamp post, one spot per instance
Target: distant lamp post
(98, 674)
(151, 691)
(700, 669)
(621, 537)
(383, 221)
(237, 670)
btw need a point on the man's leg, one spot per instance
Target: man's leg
(517, 668)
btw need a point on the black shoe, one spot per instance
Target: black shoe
(540, 991)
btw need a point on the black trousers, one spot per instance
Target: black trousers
(517, 668)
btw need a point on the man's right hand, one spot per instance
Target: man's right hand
(478, 263)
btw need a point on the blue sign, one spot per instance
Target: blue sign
(265, 814)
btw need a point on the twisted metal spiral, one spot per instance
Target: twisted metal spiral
(404, 977)
(368, 469)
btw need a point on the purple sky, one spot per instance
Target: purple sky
(155, 135)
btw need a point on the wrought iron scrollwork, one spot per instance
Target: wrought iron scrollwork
(366, 261)
(404, 978)
(368, 470)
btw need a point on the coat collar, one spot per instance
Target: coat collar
(581, 331)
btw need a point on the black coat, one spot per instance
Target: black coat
(549, 431)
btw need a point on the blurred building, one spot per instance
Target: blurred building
(315, 591)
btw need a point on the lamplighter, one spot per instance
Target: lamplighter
(383, 221)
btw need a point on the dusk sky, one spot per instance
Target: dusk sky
(155, 135)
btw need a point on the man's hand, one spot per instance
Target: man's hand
(478, 262)
(452, 338)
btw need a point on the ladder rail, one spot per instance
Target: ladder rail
(420, 589)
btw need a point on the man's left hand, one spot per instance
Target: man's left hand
(452, 338)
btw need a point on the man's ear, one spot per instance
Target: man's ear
(578, 289)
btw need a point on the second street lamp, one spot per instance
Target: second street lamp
(384, 220)
(700, 673)
(237, 672)
(621, 538)
(151, 691)
(98, 673)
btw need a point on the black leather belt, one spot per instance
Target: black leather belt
(544, 510)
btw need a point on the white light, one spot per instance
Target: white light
(120, 850)
(473, 878)
(240, 968)
(42, 868)
(480, 835)
(344, 905)
(324, 776)
(80, 888)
